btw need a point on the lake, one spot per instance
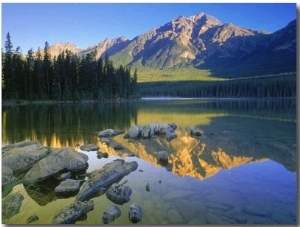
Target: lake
(241, 170)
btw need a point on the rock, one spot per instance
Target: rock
(109, 133)
(7, 175)
(110, 214)
(135, 131)
(22, 156)
(105, 140)
(135, 213)
(162, 156)
(68, 186)
(195, 131)
(11, 205)
(57, 161)
(32, 218)
(71, 213)
(63, 176)
(119, 193)
(105, 176)
(89, 147)
(102, 155)
(170, 136)
(148, 187)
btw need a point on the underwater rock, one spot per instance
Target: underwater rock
(7, 175)
(195, 131)
(110, 214)
(68, 186)
(135, 213)
(89, 147)
(11, 204)
(71, 213)
(119, 193)
(32, 218)
(57, 161)
(63, 176)
(105, 176)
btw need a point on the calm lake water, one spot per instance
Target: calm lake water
(242, 170)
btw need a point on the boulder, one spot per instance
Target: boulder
(89, 147)
(150, 130)
(68, 186)
(110, 214)
(22, 156)
(7, 175)
(195, 131)
(63, 159)
(162, 156)
(108, 174)
(119, 193)
(109, 133)
(32, 218)
(170, 136)
(71, 213)
(135, 213)
(11, 205)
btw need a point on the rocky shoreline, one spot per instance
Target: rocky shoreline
(31, 164)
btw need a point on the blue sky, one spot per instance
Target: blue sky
(32, 24)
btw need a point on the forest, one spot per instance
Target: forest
(65, 77)
(68, 77)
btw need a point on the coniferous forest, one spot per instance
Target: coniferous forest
(67, 77)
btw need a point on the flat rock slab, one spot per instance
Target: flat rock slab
(68, 186)
(11, 205)
(110, 214)
(108, 174)
(22, 156)
(71, 213)
(57, 161)
(89, 147)
(109, 133)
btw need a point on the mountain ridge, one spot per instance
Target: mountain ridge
(200, 41)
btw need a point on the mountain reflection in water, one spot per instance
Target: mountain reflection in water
(236, 133)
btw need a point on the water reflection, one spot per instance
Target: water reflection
(235, 131)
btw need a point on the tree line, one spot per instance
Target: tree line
(270, 86)
(68, 77)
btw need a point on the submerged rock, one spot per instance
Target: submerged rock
(119, 193)
(105, 176)
(195, 131)
(71, 213)
(89, 147)
(22, 156)
(135, 213)
(57, 161)
(110, 214)
(11, 204)
(68, 186)
(63, 176)
(109, 133)
(162, 156)
(7, 175)
(32, 218)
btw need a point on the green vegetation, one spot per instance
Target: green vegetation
(66, 77)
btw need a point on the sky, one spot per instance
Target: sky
(84, 24)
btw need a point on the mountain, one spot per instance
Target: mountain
(203, 42)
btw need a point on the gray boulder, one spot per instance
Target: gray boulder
(162, 156)
(66, 159)
(119, 193)
(71, 213)
(195, 131)
(11, 205)
(7, 175)
(22, 156)
(89, 147)
(68, 186)
(135, 131)
(110, 214)
(105, 176)
(135, 213)
(109, 133)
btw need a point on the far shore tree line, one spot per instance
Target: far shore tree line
(65, 77)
